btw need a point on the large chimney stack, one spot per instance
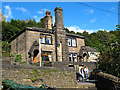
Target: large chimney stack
(48, 20)
(60, 34)
(59, 18)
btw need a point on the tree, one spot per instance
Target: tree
(109, 60)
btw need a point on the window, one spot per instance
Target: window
(73, 57)
(45, 39)
(48, 39)
(69, 42)
(72, 42)
(42, 38)
(70, 57)
(46, 56)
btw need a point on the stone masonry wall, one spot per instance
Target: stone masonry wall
(18, 45)
(31, 37)
(59, 77)
(60, 35)
(35, 36)
(80, 42)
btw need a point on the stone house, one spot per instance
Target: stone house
(49, 44)
(88, 54)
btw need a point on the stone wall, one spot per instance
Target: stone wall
(18, 45)
(31, 37)
(62, 55)
(59, 77)
(35, 36)
(80, 42)
(107, 82)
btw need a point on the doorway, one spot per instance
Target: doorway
(35, 55)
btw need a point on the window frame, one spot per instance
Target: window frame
(72, 55)
(45, 37)
(42, 36)
(72, 42)
(46, 54)
(48, 37)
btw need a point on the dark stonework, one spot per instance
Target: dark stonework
(61, 34)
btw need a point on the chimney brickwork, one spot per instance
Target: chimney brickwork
(61, 43)
(48, 20)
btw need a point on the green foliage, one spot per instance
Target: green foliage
(12, 28)
(18, 58)
(11, 85)
(109, 60)
(22, 69)
(33, 79)
(5, 46)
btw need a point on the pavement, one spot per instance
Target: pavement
(88, 85)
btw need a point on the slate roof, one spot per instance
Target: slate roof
(74, 35)
(33, 29)
(90, 49)
(45, 31)
(40, 29)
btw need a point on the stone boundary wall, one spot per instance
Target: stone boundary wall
(31, 75)
(107, 82)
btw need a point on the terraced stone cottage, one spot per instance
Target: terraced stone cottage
(52, 43)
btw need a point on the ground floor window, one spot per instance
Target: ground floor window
(73, 57)
(46, 56)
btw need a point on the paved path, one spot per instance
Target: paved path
(89, 83)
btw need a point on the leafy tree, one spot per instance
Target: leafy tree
(67, 30)
(5, 46)
(109, 60)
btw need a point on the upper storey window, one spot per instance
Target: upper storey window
(72, 42)
(42, 38)
(46, 39)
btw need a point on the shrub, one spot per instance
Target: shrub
(18, 58)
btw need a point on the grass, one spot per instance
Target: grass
(22, 69)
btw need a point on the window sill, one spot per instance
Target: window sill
(73, 46)
(46, 44)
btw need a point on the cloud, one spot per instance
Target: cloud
(37, 19)
(93, 20)
(113, 8)
(53, 20)
(40, 12)
(43, 11)
(78, 29)
(89, 11)
(8, 12)
(21, 8)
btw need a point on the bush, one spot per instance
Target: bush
(18, 58)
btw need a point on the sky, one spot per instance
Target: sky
(77, 16)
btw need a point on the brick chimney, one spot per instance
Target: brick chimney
(48, 20)
(26, 20)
